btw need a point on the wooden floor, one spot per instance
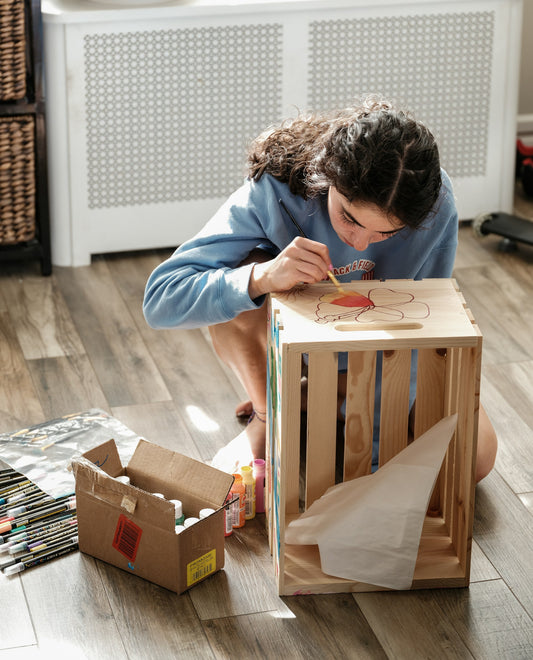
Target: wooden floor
(77, 340)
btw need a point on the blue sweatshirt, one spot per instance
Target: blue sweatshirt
(202, 284)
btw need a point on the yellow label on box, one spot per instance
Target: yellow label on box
(201, 567)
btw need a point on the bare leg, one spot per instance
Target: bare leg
(487, 443)
(242, 344)
(487, 446)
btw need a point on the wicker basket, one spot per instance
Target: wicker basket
(12, 50)
(17, 179)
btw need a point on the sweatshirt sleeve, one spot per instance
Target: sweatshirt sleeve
(202, 283)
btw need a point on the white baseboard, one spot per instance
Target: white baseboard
(524, 124)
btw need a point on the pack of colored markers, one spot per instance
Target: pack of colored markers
(34, 526)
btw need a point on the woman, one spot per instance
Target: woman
(358, 192)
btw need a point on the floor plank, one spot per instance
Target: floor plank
(503, 528)
(17, 628)
(66, 385)
(322, 627)
(131, 271)
(40, 317)
(501, 309)
(480, 568)
(70, 610)
(410, 625)
(120, 358)
(160, 423)
(489, 619)
(153, 622)
(243, 587)
(19, 403)
(514, 460)
(527, 500)
(197, 383)
(205, 389)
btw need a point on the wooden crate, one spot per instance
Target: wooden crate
(395, 318)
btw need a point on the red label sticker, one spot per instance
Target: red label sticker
(127, 537)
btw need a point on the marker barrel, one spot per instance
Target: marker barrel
(40, 559)
(32, 555)
(45, 512)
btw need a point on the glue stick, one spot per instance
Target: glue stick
(178, 510)
(249, 487)
(238, 505)
(259, 474)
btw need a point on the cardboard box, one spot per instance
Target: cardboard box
(129, 527)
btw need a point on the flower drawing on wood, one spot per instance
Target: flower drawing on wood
(378, 305)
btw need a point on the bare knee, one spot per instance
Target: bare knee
(246, 329)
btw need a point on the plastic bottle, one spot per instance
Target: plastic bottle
(259, 474)
(190, 521)
(123, 479)
(228, 516)
(249, 488)
(239, 505)
(178, 509)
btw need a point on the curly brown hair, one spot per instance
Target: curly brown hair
(370, 152)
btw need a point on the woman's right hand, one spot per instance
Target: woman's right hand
(303, 260)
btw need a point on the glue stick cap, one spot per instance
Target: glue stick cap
(206, 512)
(178, 507)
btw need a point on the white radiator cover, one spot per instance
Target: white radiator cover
(149, 109)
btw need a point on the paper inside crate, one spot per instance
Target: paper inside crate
(129, 527)
(368, 529)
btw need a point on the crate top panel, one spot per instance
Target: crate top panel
(392, 314)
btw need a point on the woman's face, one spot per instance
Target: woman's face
(358, 225)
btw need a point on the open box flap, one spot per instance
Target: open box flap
(178, 476)
(106, 457)
(93, 481)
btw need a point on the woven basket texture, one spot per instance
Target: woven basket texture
(12, 50)
(17, 179)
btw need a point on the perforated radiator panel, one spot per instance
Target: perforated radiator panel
(437, 65)
(150, 110)
(169, 112)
